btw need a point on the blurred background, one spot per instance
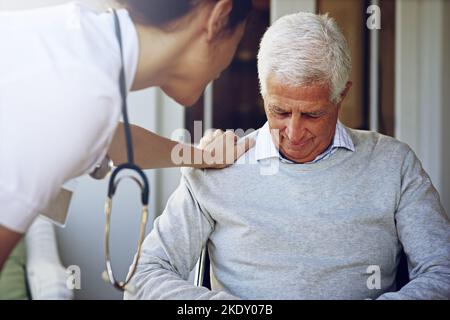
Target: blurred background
(401, 88)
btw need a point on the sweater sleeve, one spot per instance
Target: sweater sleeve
(171, 251)
(424, 231)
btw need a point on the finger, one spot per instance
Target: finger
(206, 139)
(244, 146)
(216, 142)
(210, 134)
(230, 134)
(218, 139)
(230, 147)
(202, 143)
(231, 137)
(209, 138)
(217, 133)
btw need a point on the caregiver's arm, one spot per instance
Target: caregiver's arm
(153, 151)
(8, 240)
(172, 249)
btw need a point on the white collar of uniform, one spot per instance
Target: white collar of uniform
(265, 148)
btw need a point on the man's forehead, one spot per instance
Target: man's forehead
(297, 104)
(279, 92)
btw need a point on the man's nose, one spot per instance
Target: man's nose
(295, 130)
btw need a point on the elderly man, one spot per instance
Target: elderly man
(330, 223)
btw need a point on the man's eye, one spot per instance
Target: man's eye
(280, 113)
(312, 115)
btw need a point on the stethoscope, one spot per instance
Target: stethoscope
(105, 167)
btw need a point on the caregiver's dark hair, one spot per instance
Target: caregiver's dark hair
(158, 13)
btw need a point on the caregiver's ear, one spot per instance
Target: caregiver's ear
(219, 17)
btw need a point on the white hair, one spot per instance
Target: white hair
(304, 49)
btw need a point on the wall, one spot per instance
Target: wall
(279, 8)
(422, 82)
(445, 119)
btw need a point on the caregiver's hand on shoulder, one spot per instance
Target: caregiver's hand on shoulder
(222, 149)
(217, 150)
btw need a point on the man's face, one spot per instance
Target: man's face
(304, 117)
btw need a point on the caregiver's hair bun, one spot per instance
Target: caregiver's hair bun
(161, 12)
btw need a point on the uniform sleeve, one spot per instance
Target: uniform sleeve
(172, 249)
(423, 229)
(16, 213)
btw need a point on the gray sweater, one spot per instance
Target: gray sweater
(329, 230)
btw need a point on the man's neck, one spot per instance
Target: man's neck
(308, 161)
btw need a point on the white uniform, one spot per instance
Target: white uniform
(59, 101)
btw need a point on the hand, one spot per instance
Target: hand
(222, 149)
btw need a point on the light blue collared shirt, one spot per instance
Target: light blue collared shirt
(265, 148)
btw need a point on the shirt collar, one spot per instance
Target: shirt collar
(265, 148)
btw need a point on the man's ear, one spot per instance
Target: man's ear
(344, 92)
(218, 18)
